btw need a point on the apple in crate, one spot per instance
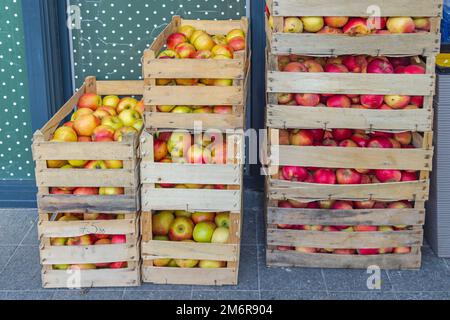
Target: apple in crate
(181, 229)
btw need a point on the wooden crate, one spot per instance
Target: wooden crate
(282, 116)
(236, 69)
(49, 227)
(426, 44)
(128, 177)
(152, 250)
(230, 175)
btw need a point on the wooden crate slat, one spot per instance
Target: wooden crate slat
(196, 276)
(372, 217)
(350, 83)
(337, 157)
(280, 116)
(120, 88)
(389, 261)
(360, 8)
(191, 173)
(154, 250)
(188, 121)
(191, 96)
(344, 240)
(190, 200)
(217, 27)
(412, 191)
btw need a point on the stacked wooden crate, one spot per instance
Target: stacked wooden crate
(199, 196)
(424, 46)
(73, 266)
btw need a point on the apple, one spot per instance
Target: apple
(175, 39)
(336, 68)
(293, 25)
(348, 176)
(161, 223)
(119, 239)
(165, 108)
(58, 242)
(138, 125)
(295, 67)
(65, 134)
(237, 43)
(220, 39)
(86, 124)
(313, 24)
(409, 176)
(196, 155)
(127, 103)
(222, 220)
(198, 217)
(380, 142)
(325, 176)
(181, 229)
(377, 23)
(83, 267)
(399, 205)
(342, 205)
(307, 99)
(179, 143)
(205, 264)
(356, 26)
(381, 66)
(364, 204)
(235, 33)
(221, 235)
(114, 164)
(90, 216)
(90, 101)
(168, 54)
(160, 150)
(388, 176)
(414, 69)
(223, 50)
(306, 250)
(118, 136)
(203, 232)
(118, 265)
(336, 22)
(396, 101)
(223, 110)
(366, 228)
(86, 240)
(56, 164)
(401, 25)
(96, 165)
(422, 23)
(111, 101)
(330, 30)
(386, 229)
(62, 267)
(342, 134)
(344, 251)
(402, 250)
(368, 252)
(77, 163)
(395, 143)
(187, 30)
(185, 50)
(79, 113)
(339, 101)
(129, 117)
(103, 133)
(182, 109)
(105, 191)
(113, 122)
(372, 101)
(203, 42)
(186, 264)
(301, 138)
(291, 173)
(161, 263)
(355, 64)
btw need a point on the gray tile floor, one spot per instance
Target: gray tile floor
(20, 272)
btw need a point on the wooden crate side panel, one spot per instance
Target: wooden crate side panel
(155, 250)
(371, 217)
(281, 117)
(218, 27)
(389, 262)
(196, 276)
(191, 174)
(385, 192)
(55, 279)
(88, 204)
(192, 96)
(89, 254)
(389, 8)
(426, 44)
(120, 88)
(344, 240)
(190, 200)
(336, 157)
(350, 83)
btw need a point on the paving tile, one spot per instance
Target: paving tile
(293, 295)
(159, 287)
(248, 272)
(434, 276)
(30, 295)
(226, 295)
(249, 228)
(261, 226)
(31, 238)
(423, 295)
(157, 295)
(88, 295)
(361, 296)
(15, 224)
(23, 272)
(290, 279)
(5, 255)
(253, 199)
(353, 280)
(3, 295)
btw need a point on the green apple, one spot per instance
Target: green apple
(111, 101)
(166, 109)
(113, 122)
(138, 125)
(221, 235)
(203, 232)
(206, 264)
(183, 214)
(129, 117)
(223, 220)
(186, 264)
(182, 109)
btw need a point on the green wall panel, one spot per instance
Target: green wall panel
(114, 33)
(15, 123)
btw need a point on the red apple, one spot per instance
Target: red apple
(336, 68)
(372, 101)
(90, 100)
(336, 22)
(175, 39)
(301, 138)
(86, 124)
(348, 176)
(366, 228)
(325, 176)
(414, 69)
(380, 142)
(356, 26)
(181, 229)
(339, 101)
(379, 65)
(342, 134)
(401, 25)
(342, 205)
(307, 99)
(388, 176)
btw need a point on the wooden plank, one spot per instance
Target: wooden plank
(88, 204)
(190, 200)
(217, 27)
(351, 83)
(412, 191)
(371, 217)
(288, 259)
(191, 173)
(425, 44)
(280, 116)
(192, 96)
(194, 68)
(86, 178)
(337, 157)
(196, 276)
(89, 254)
(344, 240)
(360, 8)
(55, 279)
(59, 229)
(155, 250)
(83, 151)
(160, 120)
(120, 88)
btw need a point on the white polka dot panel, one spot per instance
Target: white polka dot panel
(15, 122)
(114, 33)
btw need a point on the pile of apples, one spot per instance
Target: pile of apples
(196, 109)
(189, 43)
(183, 226)
(362, 252)
(90, 240)
(354, 26)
